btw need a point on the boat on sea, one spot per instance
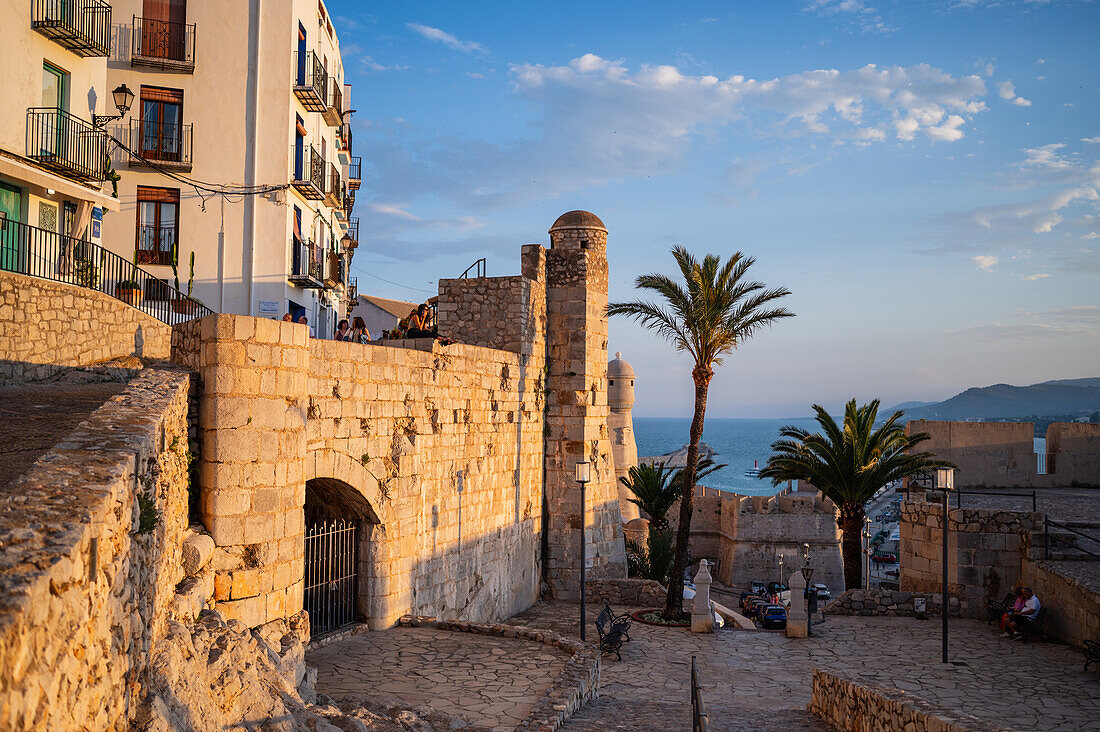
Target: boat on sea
(754, 471)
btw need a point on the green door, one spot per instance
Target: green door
(10, 231)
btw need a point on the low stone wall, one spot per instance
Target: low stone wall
(47, 327)
(891, 603)
(844, 704)
(93, 538)
(575, 685)
(626, 592)
(1069, 592)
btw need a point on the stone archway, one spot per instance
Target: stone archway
(340, 536)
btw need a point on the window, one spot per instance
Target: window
(163, 29)
(161, 123)
(157, 224)
(55, 87)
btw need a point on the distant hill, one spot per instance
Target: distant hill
(1078, 397)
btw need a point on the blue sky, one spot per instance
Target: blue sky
(923, 176)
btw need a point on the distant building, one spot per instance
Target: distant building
(620, 423)
(379, 313)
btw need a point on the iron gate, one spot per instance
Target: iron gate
(331, 581)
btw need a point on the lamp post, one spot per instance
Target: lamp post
(945, 482)
(781, 570)
(867, 550)
(123, 98)
(583, 477)
(811, 595)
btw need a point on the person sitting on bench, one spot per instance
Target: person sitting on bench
(1019, 622)
(1017, 607)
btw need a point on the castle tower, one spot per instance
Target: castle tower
(624, 451)
(577, 412)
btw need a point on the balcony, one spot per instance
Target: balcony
(162, 44)
(310, 81)
(353, 291)
(66, 144)
(305, 267)
(343, 143)
(349, 203)
(309, 172)
(82, 26)
(335, 191)
(334, 111)
(355, 172)
(160, 145)
(353, 233)
(334, 270)
(155, 245)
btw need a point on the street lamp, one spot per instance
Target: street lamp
(123, 98)
(867, 550)
(781, 569)
(945, 482)
(583, 476)
(811, 596)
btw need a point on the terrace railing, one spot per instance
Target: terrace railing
(334, 109)
(29, 250)
(698, 709)
(310, 81)
(82, 26)
(66, 144)
(162, 44)
(309, 172)
(478, 268)
(355, 173)
(305, 269)
(160, 143)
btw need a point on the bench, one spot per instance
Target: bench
(611, 639)
(995, 609)
(618, 622)
(1092, 652)
(1033, 628)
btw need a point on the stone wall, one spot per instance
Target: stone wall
(854, 706)
(626, 592)
(985, 548)
(1071, 595)
(1074, 453)
(892, 603)
(93, 541)
(48, 326)
(495, 312)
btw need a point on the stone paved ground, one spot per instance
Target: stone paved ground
(34, 417)
(492, 682)
(755, 680)
(1062, 504)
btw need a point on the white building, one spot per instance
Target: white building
(379, 313)
(245, 97)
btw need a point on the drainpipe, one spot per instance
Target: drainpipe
(252, 87)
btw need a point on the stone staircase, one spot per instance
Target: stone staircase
(1067, 545)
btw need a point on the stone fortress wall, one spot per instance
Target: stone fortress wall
(46, 327)
(1002, 454)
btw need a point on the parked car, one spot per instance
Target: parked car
(821, 591)
(754, 605)
(884, 559)
(756, 587)
(773, 616)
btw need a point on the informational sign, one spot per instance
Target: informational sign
(269, 308)
(97, 223)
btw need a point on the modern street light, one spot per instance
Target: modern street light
(583, 476)
(945, 482)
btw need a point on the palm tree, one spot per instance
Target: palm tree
(652, 491)
(849, 465)
(712, 312)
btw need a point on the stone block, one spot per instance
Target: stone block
(251, 611)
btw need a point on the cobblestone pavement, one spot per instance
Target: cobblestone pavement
(34, 417)
(1061, 504)
(489, 681)
(761, 681)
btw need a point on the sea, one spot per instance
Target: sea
(740, 443)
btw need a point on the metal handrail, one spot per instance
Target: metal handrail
(35, 252)
(479, 266)
(156, 42)
(66, 143)
(312, 167)
(355, 169)
(698, 709)
(160, 142)
(1047, 523)
(82, 26)
(960, 491)
(310, 74)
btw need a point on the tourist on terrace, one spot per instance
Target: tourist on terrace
(1017, 607)
(341, 331)
(288, 318)
(418, 322)
(358, 332)
(1018, 621)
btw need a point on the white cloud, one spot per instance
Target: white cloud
(858, 14)
(371, 65)
(1091, 140)
(448, 40)
(1040, 60)
(1075, 321)
(1021, 102)
(475, 75)
(1007, 90)
(1091, 235)
(1046, 156)
(984, 262)
(1033, 277)
(393, 209)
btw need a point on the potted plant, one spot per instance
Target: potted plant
(129, 291)
(183, 305)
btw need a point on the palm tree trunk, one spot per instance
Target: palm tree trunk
(675, 598)
(851, 544)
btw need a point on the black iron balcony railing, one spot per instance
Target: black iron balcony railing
(160, 144)
(310, 81)
(309, 172)
(355, 173)
(334, 109)
(353, 290)
(29, 250)
(349, 204)
(66, 144)
(353, 231)
(306, 269)
(334, 270)
(162, 44)
(156, 244)
(343, 137)
(335, 189)
(82, 26)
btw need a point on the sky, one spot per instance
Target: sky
(922, 176)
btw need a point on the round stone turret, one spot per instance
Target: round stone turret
(620, 384)
(579, 230)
